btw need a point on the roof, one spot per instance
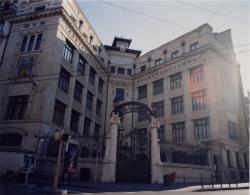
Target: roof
(122, 40)
(132, 51)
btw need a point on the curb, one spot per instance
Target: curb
(219, 189)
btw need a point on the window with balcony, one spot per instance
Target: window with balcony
(92, 74)
(59, 113)
(233, 130)
(193, 46)
(81, 64)
(120, 94)
(97, 131)
(201, 128)
(89, 101)
(142, 92)
(129, 71)
(31, 42)
(174, 54)
(198, 100)
(158, 109)
(74, 121)
(161, 133)
(78, 91)
(68, 51)
(98, 107)
(196, 74)
(175, 81)
(64, 80)
(177, 105)
(86, 127)
(17, 107)
(112, 69)
(158, 87)
(158, 62)
(25, 66)
(121, 70)
(143, 68)
(100, 85)
(178, 132)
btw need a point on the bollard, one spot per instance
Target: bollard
(212, 180)
(229, 182)
(221, 181)
(184, 180)
(236, 183)
(201, 181)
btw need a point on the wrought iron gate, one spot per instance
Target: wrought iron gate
(133, 156)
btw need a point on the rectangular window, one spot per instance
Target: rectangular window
(193, 46)
(59, 112)
(143, 68)
(38, 41)
(142, 115)
(92, 74)
(174, 54)
(81, 64)
(175, 81)
(100, 85)
(142, 92)
(74, 121)
(141, 135)
(237, 159)
(129, 71)
(86, 127)
(64, 80)
(177, 105)
(161, 133)
(78, 91)
(68, 52)
(97, 131)
(158, 62)
(233, 130)
(121, 70)
(196, 74)
(228, 158)
(120, 94)
(112, 69)
(201, 157)
(158, 109)
(198, 100)
(25, 66)
(178, 132)
(201, 128)
(89, 101)
(17, 106)
(31, 43)
(158, 87)
(24, 44)
(98, 108)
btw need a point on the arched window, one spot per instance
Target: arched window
(11, 139)
(85, 152)
(180, 157)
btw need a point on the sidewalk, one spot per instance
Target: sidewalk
(214, 188)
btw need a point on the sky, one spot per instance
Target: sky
(152, 23)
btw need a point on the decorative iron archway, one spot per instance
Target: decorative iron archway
(133, 147)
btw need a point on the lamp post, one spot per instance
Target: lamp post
(58, 136)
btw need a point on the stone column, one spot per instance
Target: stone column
(109, 162)
(156, 164)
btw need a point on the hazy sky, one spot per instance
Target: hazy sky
(167, 20)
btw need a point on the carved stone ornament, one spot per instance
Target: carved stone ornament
(115, 119)
(155, 123)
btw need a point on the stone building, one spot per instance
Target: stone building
(57, 75)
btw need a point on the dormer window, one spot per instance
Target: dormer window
(193, 46)
(174, 54)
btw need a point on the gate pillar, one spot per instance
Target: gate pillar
(156, 164)
(109, 162)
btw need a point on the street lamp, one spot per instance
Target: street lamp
(58, 136)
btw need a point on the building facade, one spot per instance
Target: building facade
(57, 75)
